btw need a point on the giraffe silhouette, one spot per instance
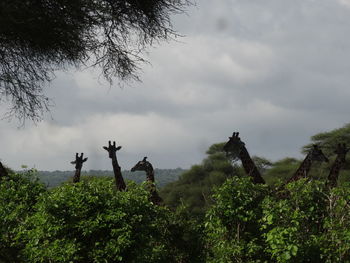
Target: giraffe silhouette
(78, 165)
(146, 166)
(315, 154)
(237, 148)
(112, 153)
(338, 163)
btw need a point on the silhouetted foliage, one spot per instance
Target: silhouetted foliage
(39, 37)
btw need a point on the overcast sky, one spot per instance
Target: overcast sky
(276, 71)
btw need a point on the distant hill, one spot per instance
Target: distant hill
(162, 176)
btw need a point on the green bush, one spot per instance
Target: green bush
(304, 222)
(93, 222)
(335, 239)
(292, 222)
(232, 224)
(18, 195)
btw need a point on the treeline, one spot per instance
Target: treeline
(214, 213)
(55, 178)
(195, 186)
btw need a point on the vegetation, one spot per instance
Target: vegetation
(232, 224)
(93, 222)
(194, 187)
(217, 214)
(250, 223)
(18, 195)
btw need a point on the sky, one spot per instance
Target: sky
(275, 71)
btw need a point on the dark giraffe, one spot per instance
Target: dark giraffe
(112, 152)
(339, 162)
(315, 154)
(78, 165)
(146, 166)
(3, 171)
(236, 147)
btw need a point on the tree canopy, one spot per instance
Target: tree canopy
(38, 37)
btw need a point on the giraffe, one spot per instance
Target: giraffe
(3, 171)
(315, 154)
(236, 147)
(112, 150)
(78, 165)
(339, 162)
(146, 166)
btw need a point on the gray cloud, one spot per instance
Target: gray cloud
(277, 71)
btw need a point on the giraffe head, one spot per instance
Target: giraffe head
(79, 161)
(341, 151)
(111, 149)
(143, 165)
(316, 154)
(234, 146)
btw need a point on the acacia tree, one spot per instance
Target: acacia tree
(38, 37)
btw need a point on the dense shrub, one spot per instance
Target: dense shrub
(232, 224)
(93, 222)
(18, 195)
(292, 222)
(304, 222)
(335, 239)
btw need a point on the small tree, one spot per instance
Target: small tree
(194, 187)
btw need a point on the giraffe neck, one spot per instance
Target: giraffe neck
(250, 167)
(334, 172)
(154, 198)
(119, 180)
(76, 178)
(150, 175)
(303, 169)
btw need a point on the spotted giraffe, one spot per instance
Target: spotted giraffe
(236, 147)
(315, 154)
(112, 153)
(146, 166)
(339, 162)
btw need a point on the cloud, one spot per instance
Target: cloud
(345, 3)
(276, 71)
